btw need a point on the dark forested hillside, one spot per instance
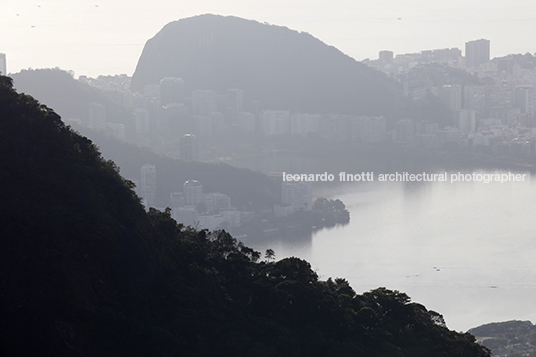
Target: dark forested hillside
(85, 271)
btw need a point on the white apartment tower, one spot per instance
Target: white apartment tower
(299, 195)
(189, 147)
(3, 64)
(148, 185)
(193, 192)
(451, 97)
(234, 102)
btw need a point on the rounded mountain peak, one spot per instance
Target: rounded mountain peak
(283, 68)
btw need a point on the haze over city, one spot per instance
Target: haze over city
(269, 176)
(105, 38)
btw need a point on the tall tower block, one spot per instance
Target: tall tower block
(476, 52)
(3, 64)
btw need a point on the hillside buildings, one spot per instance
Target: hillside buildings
(489, 101)
(204, 210)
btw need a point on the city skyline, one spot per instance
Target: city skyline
(92, 39)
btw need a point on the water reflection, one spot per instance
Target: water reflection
(464, 249)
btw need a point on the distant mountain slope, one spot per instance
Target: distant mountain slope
(72, 99)
(508, 339)
(285, 69)
(69, 98)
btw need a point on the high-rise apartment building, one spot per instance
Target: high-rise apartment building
(193, 192)
(177, 120)
(234, 102)
(171, 91)
(276, 122)
(524, 98)
(297, 194)
(451, 97)
(189, 148)
(369, 129)
(3, 64)
(467, 121)
(476, 52)
(148, 184)
(405, 132)
(386, 56)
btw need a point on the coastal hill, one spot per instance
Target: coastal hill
(85, 271)
(283, 68)
(508, 339)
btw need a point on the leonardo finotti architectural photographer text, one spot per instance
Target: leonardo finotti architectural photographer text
(451, 177)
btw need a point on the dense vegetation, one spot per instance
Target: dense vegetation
(84, 270)
(328, 213)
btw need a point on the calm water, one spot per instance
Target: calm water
(466, 250)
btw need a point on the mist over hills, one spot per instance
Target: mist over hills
(286, 69)
(248, 189)
(69, 98)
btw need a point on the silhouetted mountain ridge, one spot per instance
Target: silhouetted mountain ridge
(85, 271)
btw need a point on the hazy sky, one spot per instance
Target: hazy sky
(107, 37)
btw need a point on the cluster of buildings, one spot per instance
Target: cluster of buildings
(164, 111)
(496, 116)
(205, 210)
(330, 127)
(476, 53)
(193, 207)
